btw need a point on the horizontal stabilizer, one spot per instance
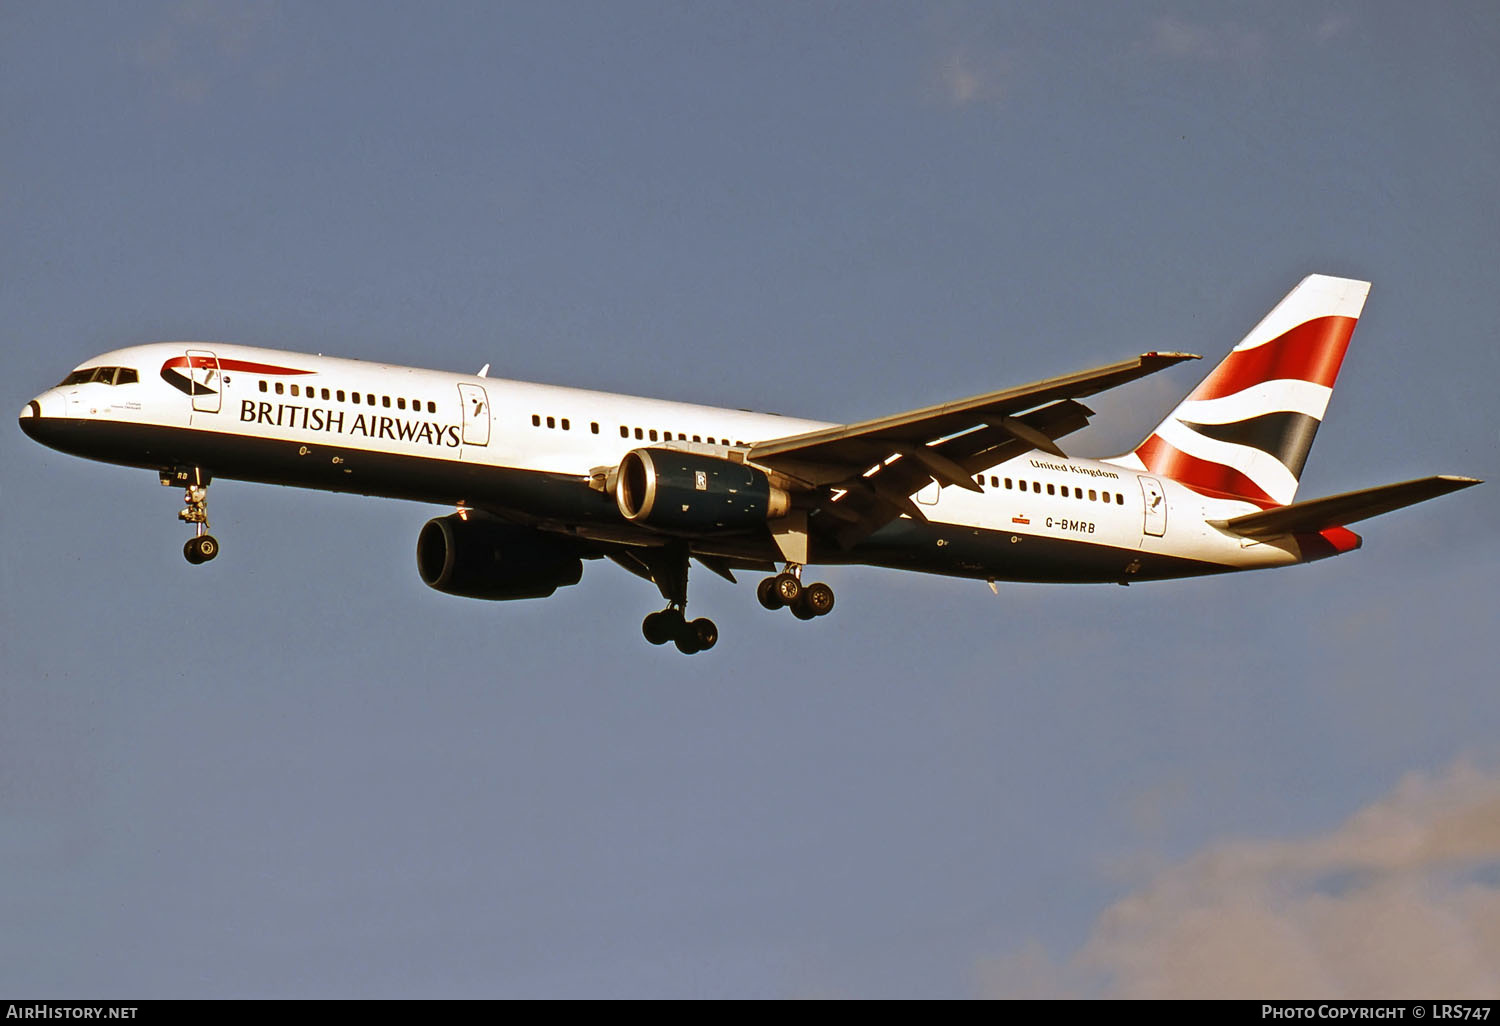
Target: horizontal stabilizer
(1340, 510)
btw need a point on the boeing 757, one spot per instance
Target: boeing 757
(543, 478)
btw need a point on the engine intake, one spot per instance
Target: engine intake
(481, 557)
(671, 490)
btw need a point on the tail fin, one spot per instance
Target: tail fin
(1246, 430)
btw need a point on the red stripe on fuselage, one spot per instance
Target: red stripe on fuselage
(232, 365)
(1312, 351)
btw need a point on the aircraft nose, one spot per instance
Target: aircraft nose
(31, 417)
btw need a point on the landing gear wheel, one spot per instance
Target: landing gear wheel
(801, 612)
(787, 588)
(662, 626)
(818, 598)
(201, 549)
(765, 591)
(705, 632)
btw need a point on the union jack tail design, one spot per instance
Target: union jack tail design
(1245, 431)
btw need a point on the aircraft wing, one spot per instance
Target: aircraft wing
(854, 478)
(1339, 510)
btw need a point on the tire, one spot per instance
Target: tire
(705, 632)
(190, 551)
(207, 546)
(788, 588)
(765, 592)
(801, 610)
(657, 627)
(819, 598)
(687, 642)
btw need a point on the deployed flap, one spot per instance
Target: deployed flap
(854, 478)
(1339, 510)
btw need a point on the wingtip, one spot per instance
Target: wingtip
(1459, 481)
(1170, 357)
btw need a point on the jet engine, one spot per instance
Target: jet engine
(684, 491)
(482, 557)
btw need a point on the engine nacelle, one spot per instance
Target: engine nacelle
(485, 558)
(684, 491)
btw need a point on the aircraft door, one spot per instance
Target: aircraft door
(476, 404)
(1156, 507)
(206, 382)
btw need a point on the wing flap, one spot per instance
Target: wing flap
(1338, 510)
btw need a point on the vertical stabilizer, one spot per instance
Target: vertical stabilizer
(1246, 430)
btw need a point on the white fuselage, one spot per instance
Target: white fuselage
(530, 452)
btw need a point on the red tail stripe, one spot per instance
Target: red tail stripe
(1312, 351)
(1199, 474)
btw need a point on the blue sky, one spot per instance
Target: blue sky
(299, 772)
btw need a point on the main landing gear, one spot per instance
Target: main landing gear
(787, 589)
(202, 546)
(669, 570)
(671, 624)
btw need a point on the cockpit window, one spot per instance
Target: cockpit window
(102, 376)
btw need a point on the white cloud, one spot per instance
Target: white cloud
(1175, 37)
(198, 43)
(1401, 901)
(972, 76)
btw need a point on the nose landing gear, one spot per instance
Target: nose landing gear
(202, 546)
(787, 589)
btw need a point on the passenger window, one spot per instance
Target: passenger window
(262, 386)
(400, 403)
(1119, 499)
(385, 401)
(565, 424)
(1051, 490)
(697, 439)
(536, 420)
(594, 426)
(624, 431)
(431, 406)
(325, 395)
(1092, 496)
(294, 390)
(551, 422)
(653, 434)
(1104, 496)
(340, 394)
(1064, 490)
(638, 434)
(279, 388)
(370, 398)
(355, 397)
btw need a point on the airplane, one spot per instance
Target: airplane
(544, 477)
